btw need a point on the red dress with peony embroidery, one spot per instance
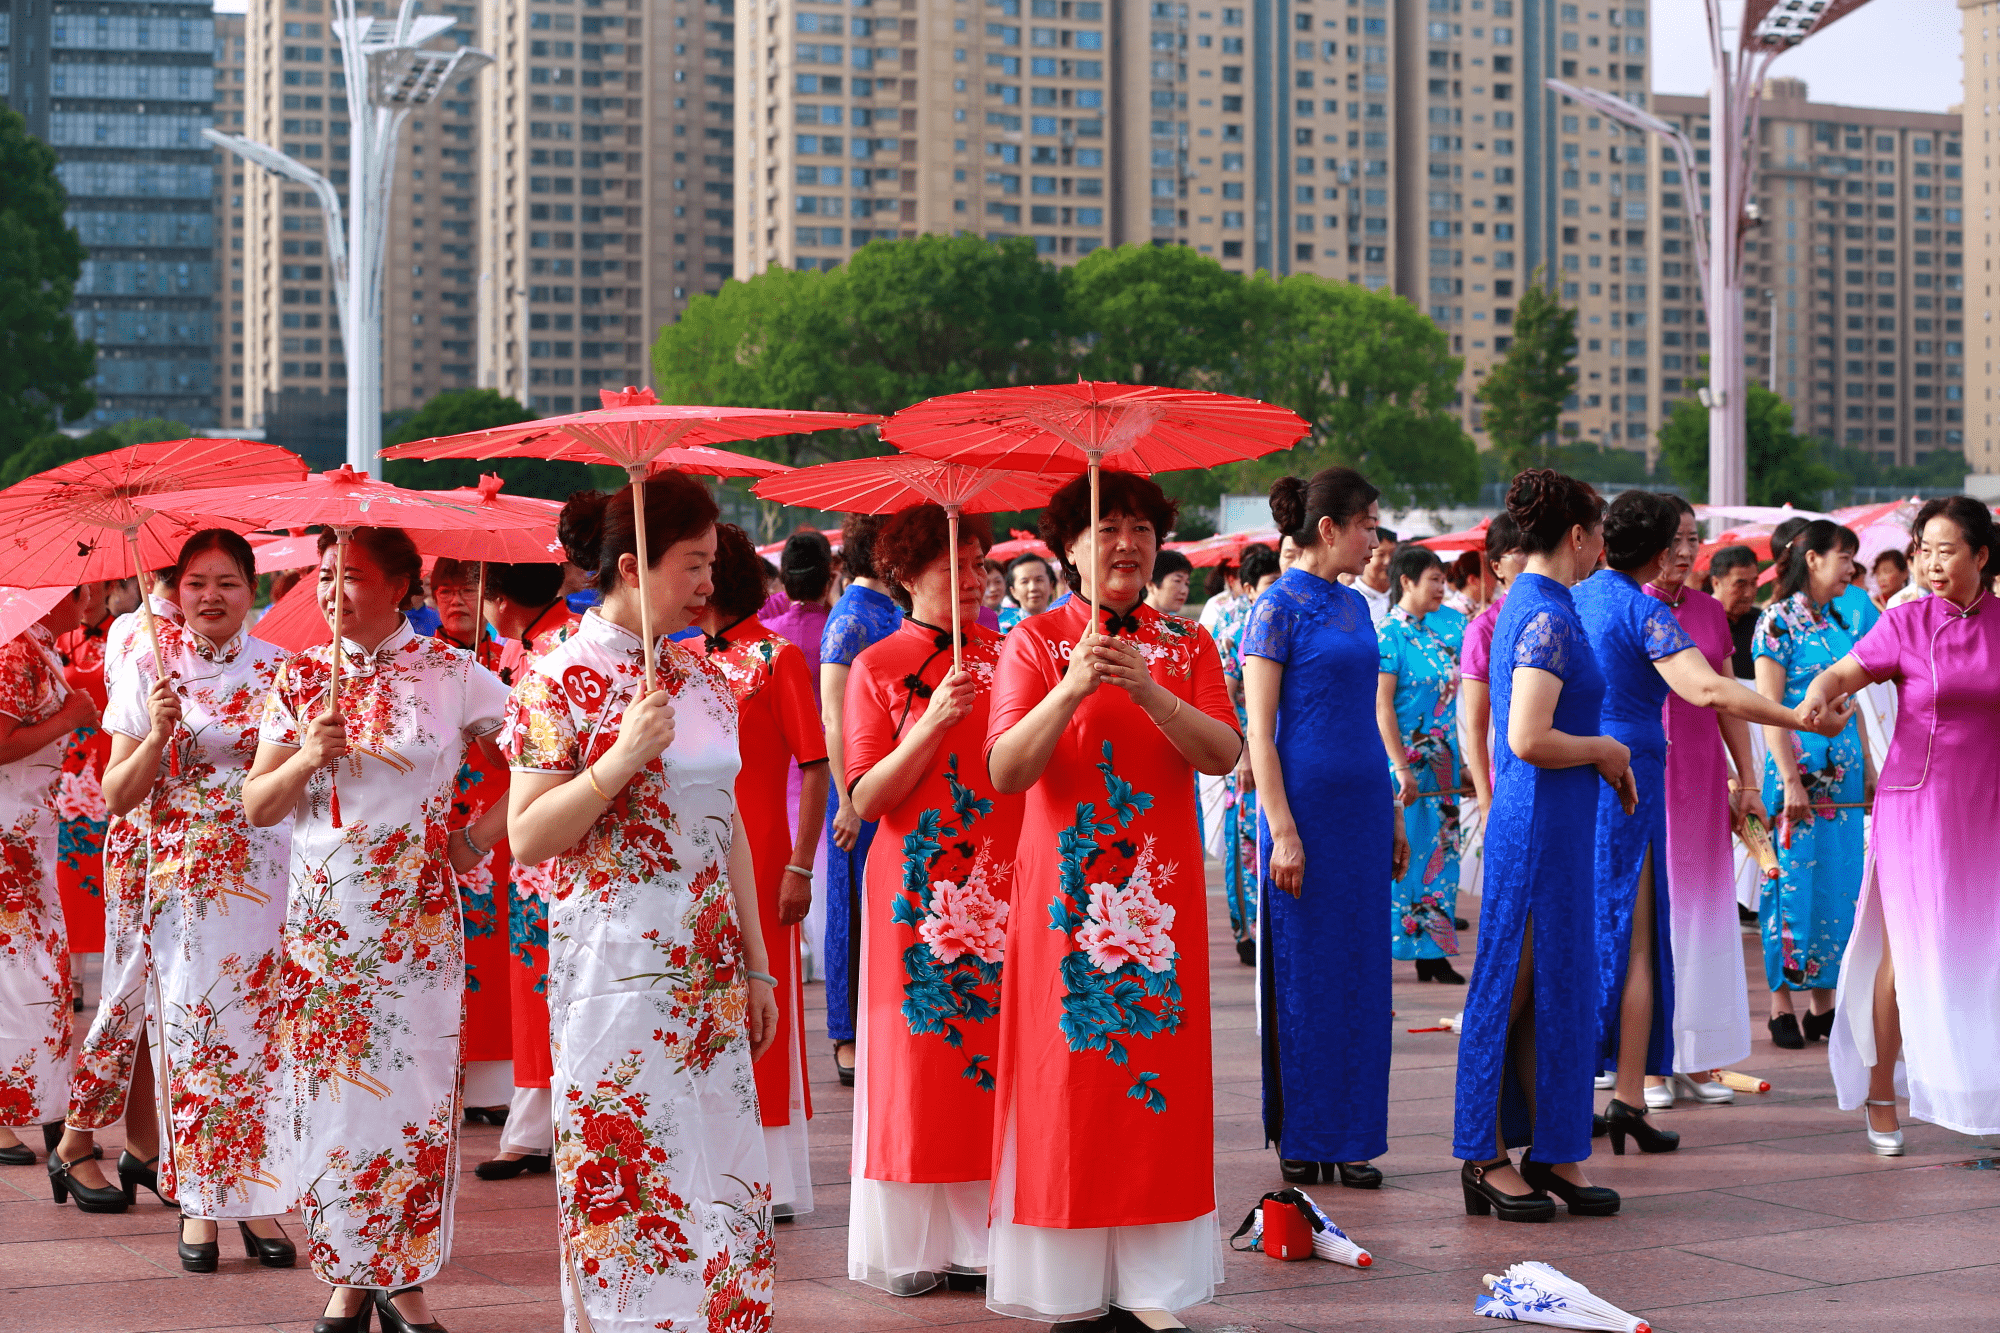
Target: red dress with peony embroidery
(934, 920)
(1104, 1036)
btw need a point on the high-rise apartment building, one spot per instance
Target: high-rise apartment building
(122, 91)
(230, 85)
(294, 368)
(606, 200)
(1855, 276)
(1980, 20)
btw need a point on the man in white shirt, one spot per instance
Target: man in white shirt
(1373, 581)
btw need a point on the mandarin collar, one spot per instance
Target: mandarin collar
(359, 661)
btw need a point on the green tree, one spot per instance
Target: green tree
(1782, 465)
(456, 411)
(45, 371)
(1373, 376)
(1524, 394)
(1157, 315)
(53, 450)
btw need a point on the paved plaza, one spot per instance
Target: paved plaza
(1772, 1218)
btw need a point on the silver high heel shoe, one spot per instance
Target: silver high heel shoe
(1714, 1094)
(1660, 1097)
(1882, 1145)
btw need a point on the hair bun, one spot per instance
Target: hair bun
(580, 528)
(1533, 494)
(1288, 504)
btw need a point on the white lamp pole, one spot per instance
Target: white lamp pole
(1735, 100)
(387, 77)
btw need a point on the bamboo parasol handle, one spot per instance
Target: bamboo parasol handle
(152, 633)
(638, 488)
(957, 616)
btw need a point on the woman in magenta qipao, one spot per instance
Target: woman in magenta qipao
(374, 964)
(1331, 839)
(659, 993)
(1103, 719)
(1919, 996)
(933, 939)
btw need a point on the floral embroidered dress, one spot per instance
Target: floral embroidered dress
(215, 891)
(1239, 817)
(487, 1045)
(662, 1186)
(1323, 958)
(1422, 654)
(1806, 916)
(860, 618)
(529, 888)
(103, 1071)
(34, 953)
(374, 960)
(932, 948)
(778, 728)
(80, 796)
(1104, 1059)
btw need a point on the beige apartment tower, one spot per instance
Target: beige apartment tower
(1981, 23)
(606, 202)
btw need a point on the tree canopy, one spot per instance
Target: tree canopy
(55, 449)
(1524, 394)
(457, 411)
(907, 320)
(45, 371)
(1782, 466)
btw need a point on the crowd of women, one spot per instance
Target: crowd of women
(328, 879)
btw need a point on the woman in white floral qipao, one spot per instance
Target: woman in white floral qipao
(181, 748)
(374, 966)
(660, 994)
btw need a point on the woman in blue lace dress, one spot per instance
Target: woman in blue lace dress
(1807, 915)
(1643, 653)
(1525, 1047)
(1330, 840)
(863, 617)
(1416, 710)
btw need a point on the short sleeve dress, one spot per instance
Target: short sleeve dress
(1422, 654)
(34, 951)
(662, 1188)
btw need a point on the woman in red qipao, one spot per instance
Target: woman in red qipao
(934, 919)
(779, 723)
(479, 860)
(525, 608)
(1106, 1005)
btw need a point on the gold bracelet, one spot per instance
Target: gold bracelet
(1172, 715)
(589, 773)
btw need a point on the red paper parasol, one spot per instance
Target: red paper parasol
(1223, 549)
(1020, 542)
(22, 607)
(1466, 539)
(1069, 428)
(291, 550)
(902, 481)
(637, 432)
(59, 523)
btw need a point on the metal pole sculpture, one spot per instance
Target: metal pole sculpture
(387, 77)
(1735, 100)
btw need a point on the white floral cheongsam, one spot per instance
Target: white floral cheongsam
(34, 952)
(661, 1174)
(215, 905)
(374, 967)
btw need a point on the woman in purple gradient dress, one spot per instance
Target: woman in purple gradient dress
(1919, 998)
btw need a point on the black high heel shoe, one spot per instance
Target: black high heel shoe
(1354, 1175)
(392, 1319)
(199, 1257)
(1625, 1121)
(1482, 1198)
(506, 1168)
(132, 1173)
(89, 1199)
(270, 1251)
(1817, 1027)
(1784, 1030)
(347, 1323)
(18, 1155)
(1582, 1200)
(846, 1072)
(1299, 1173)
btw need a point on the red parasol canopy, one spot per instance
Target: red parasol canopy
(1466, 539)
(1224, 548)
(1091, 424)
(637, 432)
(1020, 542)
(904, 481)
(22, 607)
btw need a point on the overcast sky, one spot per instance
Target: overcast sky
(1899, 54)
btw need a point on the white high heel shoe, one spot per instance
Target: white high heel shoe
(1714, 1094)
(1882, 1145)
(1604, 1081)
(1660, 1096)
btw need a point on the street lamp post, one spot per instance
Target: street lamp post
(1735, 100)
(387, 77)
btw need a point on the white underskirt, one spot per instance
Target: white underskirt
(895, 1228)
(1046, 1273)
(531, 1123)
(488, 1082)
